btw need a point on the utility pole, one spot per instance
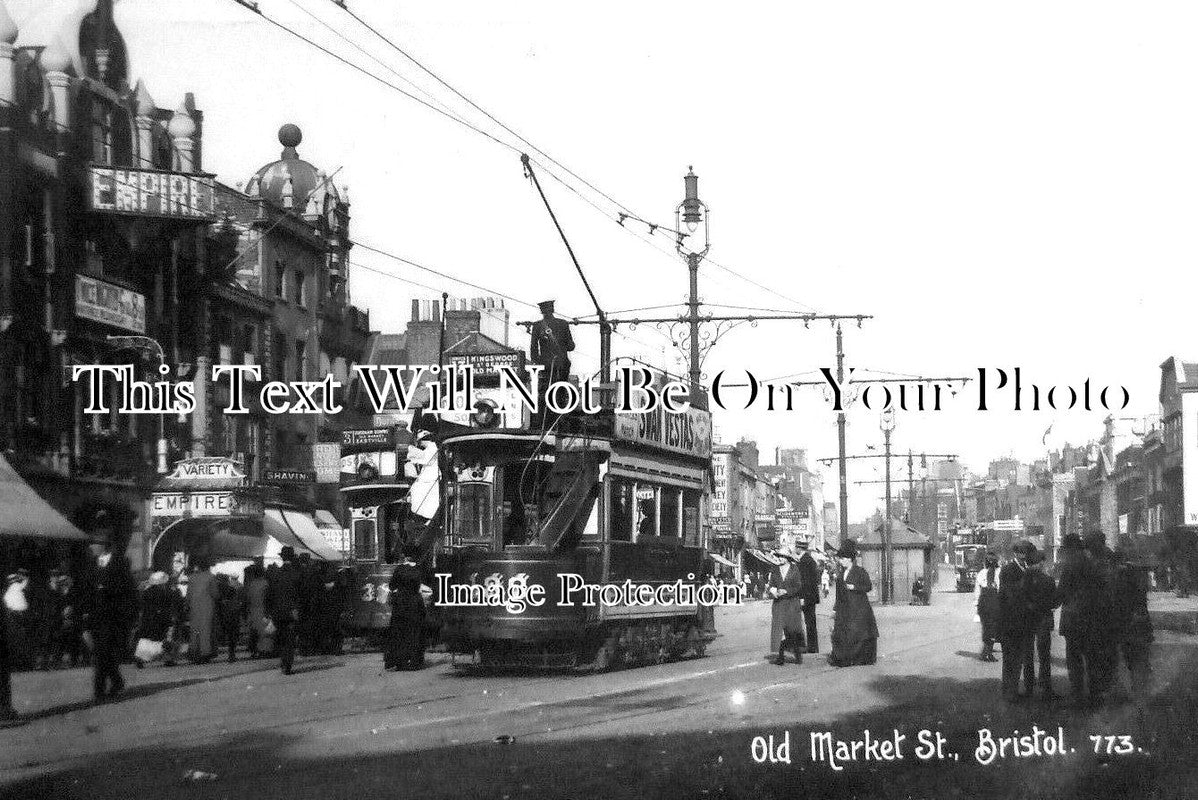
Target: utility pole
(841, 422)
(692, 212)
(887, 426)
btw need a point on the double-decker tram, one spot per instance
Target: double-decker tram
(376, 481)
(579, 504)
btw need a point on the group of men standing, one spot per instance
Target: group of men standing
(1103, 597)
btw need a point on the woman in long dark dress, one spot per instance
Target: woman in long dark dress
(405, 635)
(854, 630)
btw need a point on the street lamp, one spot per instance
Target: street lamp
(693, 212)
(147, 343)
(887, 425)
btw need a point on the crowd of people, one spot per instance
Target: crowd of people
(104, 617)
(1103, 600)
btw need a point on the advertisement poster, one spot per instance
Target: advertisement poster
(606, 401)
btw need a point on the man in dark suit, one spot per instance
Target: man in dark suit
(1041, 592)
(810, 573)
(110, 605)
(7, 715)
(551, 345)
(1014, 619)
(283, 604)
(786, 616)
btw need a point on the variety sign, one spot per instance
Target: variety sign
(208, 470)
(151, 193)
(109, 304)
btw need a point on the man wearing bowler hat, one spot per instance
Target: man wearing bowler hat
(551, 344)
(1014, 618)
(110, 604)
(283, 602)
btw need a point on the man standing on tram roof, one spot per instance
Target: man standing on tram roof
(551, 344)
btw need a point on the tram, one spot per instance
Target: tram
(376, 482)
(604, 496)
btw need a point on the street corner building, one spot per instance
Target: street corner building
(118, 247)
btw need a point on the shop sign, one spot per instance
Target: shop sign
(288, 476)
(151, 193)
(204, 504)
(688, 433)
(326, 460)
(489, 363)
(208, 469)
(720, 524)
(109, 304)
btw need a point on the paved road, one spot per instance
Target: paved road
(346, 711)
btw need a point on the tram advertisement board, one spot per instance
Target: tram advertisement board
(688, 433)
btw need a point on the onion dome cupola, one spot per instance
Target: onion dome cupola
(293, 183)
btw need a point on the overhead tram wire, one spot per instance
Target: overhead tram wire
(448, 115)
(252, 7)
(400, 76)
(464, 282)
(628, 213)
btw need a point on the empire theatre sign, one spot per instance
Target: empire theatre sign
(205, 487)
(152, 193)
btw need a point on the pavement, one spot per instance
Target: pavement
(341, 727)
(1172, 613)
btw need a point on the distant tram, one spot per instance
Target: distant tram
(603, 496)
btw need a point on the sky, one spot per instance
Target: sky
(998, 185)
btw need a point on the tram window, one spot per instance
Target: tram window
(620, 514)
(394, 538)
(690, 516)
(474, 512)
(364, 540)
(646, 510)
(671, 500)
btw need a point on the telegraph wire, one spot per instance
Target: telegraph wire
(253, 7)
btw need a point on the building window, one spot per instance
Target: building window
(299, 287)
(280, 280)
(299, 360)
(249, 344)
(101, 132)
(279, 356)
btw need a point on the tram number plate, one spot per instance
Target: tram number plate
(376, 593)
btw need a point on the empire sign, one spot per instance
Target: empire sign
(151, 193)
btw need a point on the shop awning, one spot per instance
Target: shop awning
(299, 531)
(223, 539)
(24, 513)
(721, 560)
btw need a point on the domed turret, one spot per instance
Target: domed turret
(292, 182)
(182, 125)
(8, 28)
